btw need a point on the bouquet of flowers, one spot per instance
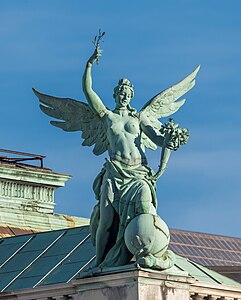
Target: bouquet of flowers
(175, 136)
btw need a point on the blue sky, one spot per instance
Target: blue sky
(45, 44)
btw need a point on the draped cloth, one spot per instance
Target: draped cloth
(130, 192)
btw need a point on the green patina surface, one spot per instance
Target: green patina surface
(203, 274)
(58, 256)
(126, 187)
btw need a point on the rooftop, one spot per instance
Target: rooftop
(207, 249)
(27, 191)
(40, 259)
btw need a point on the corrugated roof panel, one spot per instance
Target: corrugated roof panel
(48, 261)
(73, 264)
(236, 244)
(83, 253)
(16, 239)
(28, 253)
(219, 255)
(20, 261)
(42, 266)
(9, 247)
(92, 264)
(43, 240)
(78, 230)
(227, 245)
(35, 274)
(21, 283)
(5, 278)
(14, 275)
(66, 244)
(207, 249)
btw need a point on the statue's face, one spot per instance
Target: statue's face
(123, 97)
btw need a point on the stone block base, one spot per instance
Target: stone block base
(134, 285)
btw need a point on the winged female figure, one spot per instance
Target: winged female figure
(125, 187)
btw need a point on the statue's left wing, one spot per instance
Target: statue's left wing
(75, 116)
(165, 104)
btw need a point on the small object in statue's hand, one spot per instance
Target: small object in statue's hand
(96, 41)
(177, 136)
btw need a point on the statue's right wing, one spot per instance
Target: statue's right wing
(75, 116)
(165, 104)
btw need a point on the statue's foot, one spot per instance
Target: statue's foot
(146, 261)
(166, 261)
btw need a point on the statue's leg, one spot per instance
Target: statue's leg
(107, 214)
(144, 203)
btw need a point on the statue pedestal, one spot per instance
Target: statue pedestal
(135, 285)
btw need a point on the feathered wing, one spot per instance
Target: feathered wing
(165, 104)
(75, 116)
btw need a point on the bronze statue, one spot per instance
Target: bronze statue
(124, 223)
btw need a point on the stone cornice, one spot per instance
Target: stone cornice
(134, 285)
(42, 177)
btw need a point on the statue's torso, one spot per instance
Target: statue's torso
(124, 137)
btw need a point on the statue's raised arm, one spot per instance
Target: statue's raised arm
(93, 99)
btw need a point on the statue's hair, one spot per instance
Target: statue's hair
(123, 82)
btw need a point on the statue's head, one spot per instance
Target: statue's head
(123, 93)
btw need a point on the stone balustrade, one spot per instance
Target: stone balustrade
(14, 190)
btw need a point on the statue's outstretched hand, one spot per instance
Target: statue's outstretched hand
(95, 56)
(175, 136)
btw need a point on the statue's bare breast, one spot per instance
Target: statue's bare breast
(124, 137)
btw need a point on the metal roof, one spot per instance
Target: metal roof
(44, 258)
(231, 272)
(53, 257)
(207, 249)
